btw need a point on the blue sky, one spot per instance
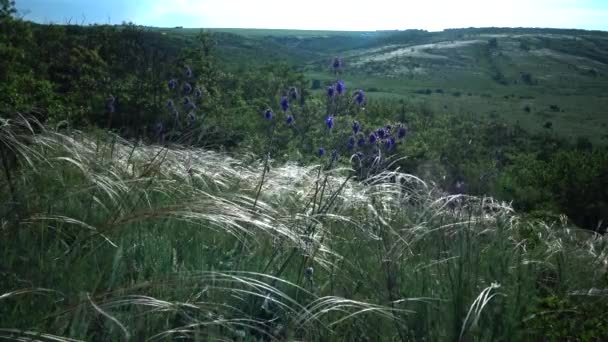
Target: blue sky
(325, 14)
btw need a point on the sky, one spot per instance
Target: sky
(354, 15)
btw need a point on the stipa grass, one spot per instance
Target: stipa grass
(109, 240)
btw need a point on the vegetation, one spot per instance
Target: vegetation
(249, 185)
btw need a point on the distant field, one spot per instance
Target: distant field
(544, 79)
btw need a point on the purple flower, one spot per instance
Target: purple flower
(172, 84)
(187, 88)
(389, 143)
(284, 103)
(289, 120)
(329, 122)
(170, 104)
(337, 64)
(198, 93)
(360, 97)
(356, 127)
(361, 142)
(188, 71)
(351, 143)
(268, 114)
(321, 152)
(373, 138)
(331, 91)
(190, 106)
(388, 128)
(381, 133)
(402, 132)
(340, 87)
(186, 101)
(293, 93)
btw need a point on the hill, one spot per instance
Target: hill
(538, 78)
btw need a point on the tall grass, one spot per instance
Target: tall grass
(107, 239)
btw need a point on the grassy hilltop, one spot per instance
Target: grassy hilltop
(231, 184)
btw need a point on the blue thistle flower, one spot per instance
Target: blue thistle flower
(331, 91)
(198, 93)
(388, 128)
(356, 127)
(191, 106)
(321, 152)
(188, 72)
(389, 143)
(268, 114)
(284, 103)
(340, 87)
(361, 142)
(337, 64)
(373, 138)
(381, 133)
(293, 93)
(172, 84)
(402, 132)
(170, 104)
(360, 97)
(186, 100)
(289, 120)
(351, 143)
(187, 88)
(329, 122)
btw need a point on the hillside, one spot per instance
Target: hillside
(534, 77)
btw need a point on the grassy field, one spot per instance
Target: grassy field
(525, 76)
(120, 241)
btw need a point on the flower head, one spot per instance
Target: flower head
(187, 88)
(309, 271)
(361, 142)
(284, 103)
(356, 127)
(293, 93)
(389, 143)
(340, 87)
(360, 97)
(321, 152)
(172, 83)
(351, 143)
(337, 64)
(373, 138)
(381, 133)
(331, 91)
(170, 104)
(329, 122)
(198, 93)
(188, 71)
(268, 114)
(289, 120)
(402, 132)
